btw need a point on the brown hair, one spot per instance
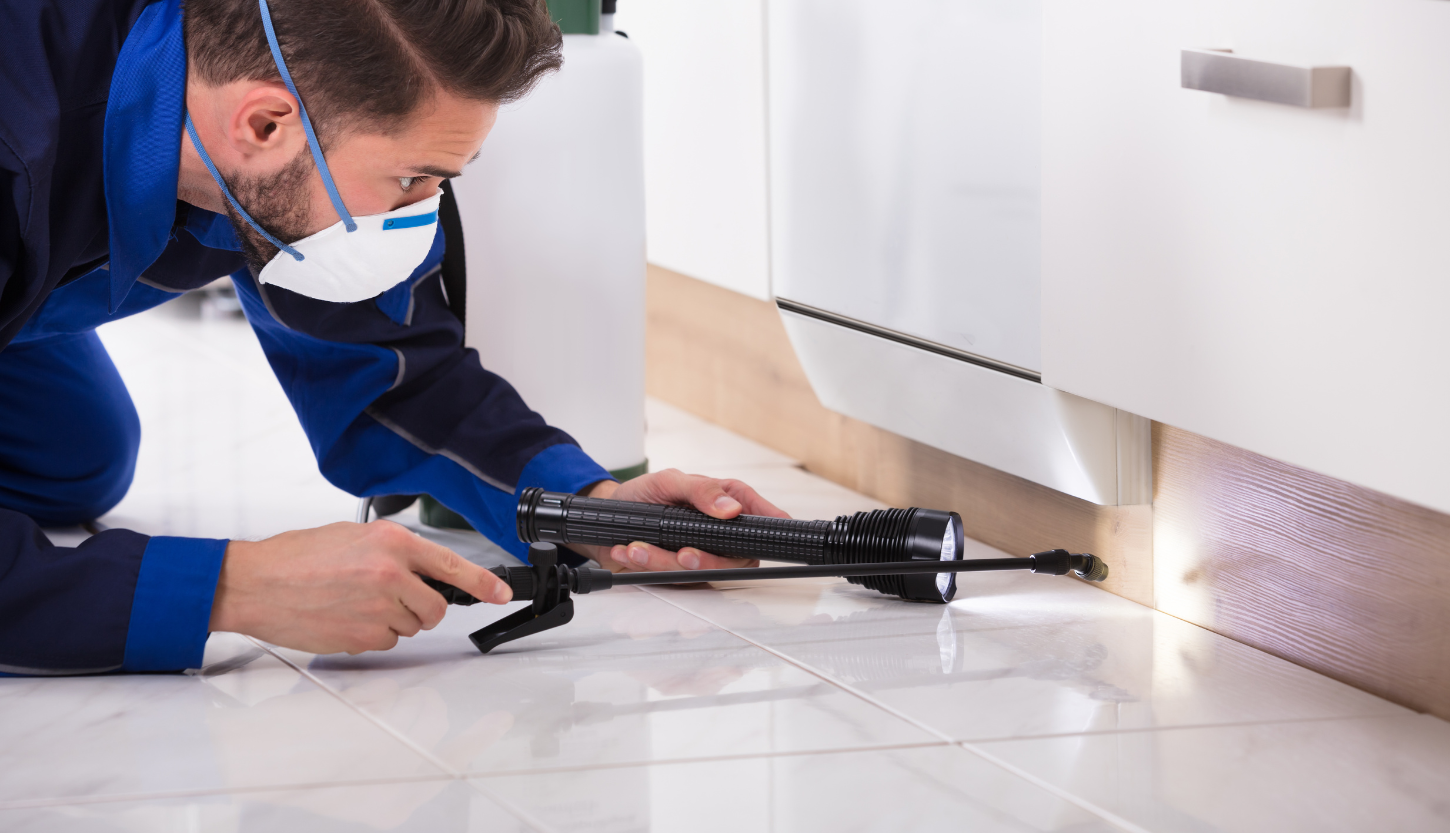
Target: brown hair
(369, 63)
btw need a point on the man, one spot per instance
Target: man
(148, 148)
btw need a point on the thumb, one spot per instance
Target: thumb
(709, 496)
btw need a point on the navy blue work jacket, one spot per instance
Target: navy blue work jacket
(91, 230)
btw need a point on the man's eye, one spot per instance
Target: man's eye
(407, 182)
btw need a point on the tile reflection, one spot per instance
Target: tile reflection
(1387, 774)
(930, 789)
(259, 725)
(1022, 656)
(432, 806)
(630, 679)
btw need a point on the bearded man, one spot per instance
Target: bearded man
(301, 147)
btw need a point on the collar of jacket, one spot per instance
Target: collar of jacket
(142, 145)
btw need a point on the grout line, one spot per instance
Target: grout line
(211, 791)
(704, 759)
(519, 812)
(1083, 804)
(337, 695)
(1187, 727)
(728, 586)
(1105, 815)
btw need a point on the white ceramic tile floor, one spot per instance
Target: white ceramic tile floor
(1018, 655)
(1371, 774)
(1030, 703)
(630, 680)
(260, 725)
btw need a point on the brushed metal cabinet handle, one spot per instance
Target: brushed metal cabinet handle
(1221, 71)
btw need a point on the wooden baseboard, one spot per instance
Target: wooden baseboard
(1342, 579)
(725, 357)
(1337, 578)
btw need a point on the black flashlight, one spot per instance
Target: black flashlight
(882, 535)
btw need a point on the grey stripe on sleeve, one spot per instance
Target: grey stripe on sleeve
(402, 368)
(405, 434)
(412, 301)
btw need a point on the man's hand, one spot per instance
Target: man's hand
(342, 587)
(716, 498)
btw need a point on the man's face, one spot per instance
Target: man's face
(374, 172)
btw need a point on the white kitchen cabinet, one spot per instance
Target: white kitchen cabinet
(1271, 276)
(905, 230)
(904, 167)
(704, 133)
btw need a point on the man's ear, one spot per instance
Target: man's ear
(266, 120)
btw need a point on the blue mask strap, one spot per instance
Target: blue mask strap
(306, 122)
(215, 174)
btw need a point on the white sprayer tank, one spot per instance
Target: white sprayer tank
(553, 224)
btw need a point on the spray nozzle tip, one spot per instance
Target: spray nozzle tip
(1093, 569)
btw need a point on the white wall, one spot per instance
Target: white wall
(705, 138)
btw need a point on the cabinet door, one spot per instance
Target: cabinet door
(1272, 276)
(704, 132)
(904, 167)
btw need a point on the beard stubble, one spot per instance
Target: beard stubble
(279, 203)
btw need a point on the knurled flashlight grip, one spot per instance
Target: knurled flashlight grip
(560, 518)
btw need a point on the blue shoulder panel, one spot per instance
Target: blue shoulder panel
(394, 405)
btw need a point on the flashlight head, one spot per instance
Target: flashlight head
(933, 536)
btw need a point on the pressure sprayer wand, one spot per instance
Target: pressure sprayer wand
(914, 554)
(549, 585)
(819, 571)
(581, 580)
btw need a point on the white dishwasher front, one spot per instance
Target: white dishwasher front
(905, 235)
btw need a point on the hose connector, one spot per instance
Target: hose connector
(1061, 562)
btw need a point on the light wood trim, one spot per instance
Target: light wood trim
(725, 357)
(1135, 459)
(1340, 579)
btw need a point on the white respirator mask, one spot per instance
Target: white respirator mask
(351, 260)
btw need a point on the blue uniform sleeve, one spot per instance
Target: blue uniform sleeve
(394, 404)
(118, 602)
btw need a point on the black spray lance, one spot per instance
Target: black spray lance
(914, 554)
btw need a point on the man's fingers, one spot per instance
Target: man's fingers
(709, 496)
(378, 639)
(717, 498)
(423, 602)
(404, 622)
(641, 557)
(752, 501)
(693, 559)
(619, 554)
(673, 486)
(439, 562)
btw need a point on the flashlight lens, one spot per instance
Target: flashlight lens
(948, 553)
